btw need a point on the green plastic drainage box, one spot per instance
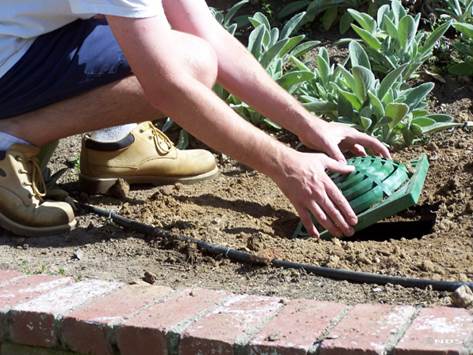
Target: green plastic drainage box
(379, 188)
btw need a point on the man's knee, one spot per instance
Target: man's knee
(202, 60)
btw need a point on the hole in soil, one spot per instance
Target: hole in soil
(425, 217)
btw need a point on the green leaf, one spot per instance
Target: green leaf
(389, 81)
(380, 16)
(440, 126)
(349, 79)
(279, 50)
(271, 124)
(345, 21)
(396, 112)
(289, 80)
(358, 56)
(304, 47)
(351, 98)
(255, 41)
(365, 123)
(390, 27)
(364, 20)
(398, 10)
(433, 38)
(364, 81)
(324, 69)
(298, 64)
(367, 37)
(407, 32)
(233, 10)
(291, 25)
(464, 28)
(262, 19)
(377, 104)
(441, 118)
(423, 121)
(320, 106)
(329, 17)
(416, 95)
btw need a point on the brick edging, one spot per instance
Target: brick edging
(44, 314)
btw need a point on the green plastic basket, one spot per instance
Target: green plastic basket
(379, 188)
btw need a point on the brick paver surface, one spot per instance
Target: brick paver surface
(42, 314)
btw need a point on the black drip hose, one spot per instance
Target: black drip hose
(247, 258)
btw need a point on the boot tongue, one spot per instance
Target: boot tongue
(29, 151)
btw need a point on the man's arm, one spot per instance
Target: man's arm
(171, 88)
(241, 74)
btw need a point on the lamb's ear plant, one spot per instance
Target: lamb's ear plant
(272, 47)
(461, 11)
(327, 12)
(226, 18)
(386, 109)
(392, 39)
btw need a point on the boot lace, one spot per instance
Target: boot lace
(161, 141)
(35, 179)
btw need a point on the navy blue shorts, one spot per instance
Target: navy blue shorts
(71, 60)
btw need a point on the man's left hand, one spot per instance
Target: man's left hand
(335, 138)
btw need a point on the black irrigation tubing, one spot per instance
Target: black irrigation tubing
(247, 258)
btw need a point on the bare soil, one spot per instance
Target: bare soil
(245, 210)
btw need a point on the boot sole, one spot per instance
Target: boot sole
(27, 231)
(101, 186)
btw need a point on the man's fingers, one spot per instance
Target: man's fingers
(359, 150)
(341, 203)
(370, 142)
(335, 216)
(338, 167)
(324, 220)
(333, 151)
(307, 222)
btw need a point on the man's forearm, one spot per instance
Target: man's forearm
(239, 72)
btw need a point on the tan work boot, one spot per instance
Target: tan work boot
(145, 156)
(22, 208)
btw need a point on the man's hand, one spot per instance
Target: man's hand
(335, 138)
(305, 182)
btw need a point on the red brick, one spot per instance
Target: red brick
(24, 289)
(229, 326)
(33, 322)
(439, 330)
(85, 329)
(146, 332)
(20, 289)
(8, 275)
(367, 329)
(295, 328)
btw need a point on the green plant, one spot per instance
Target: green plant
(393, 39)
(462, 12)
(272, 48)
(458, 10)
(329, 11)
(387, 109)
(225, 18)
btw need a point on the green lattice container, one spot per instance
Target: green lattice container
(379, 188)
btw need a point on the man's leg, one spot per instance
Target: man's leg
(22, 206)
(113, 104)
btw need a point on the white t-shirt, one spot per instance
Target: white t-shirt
(21, 21)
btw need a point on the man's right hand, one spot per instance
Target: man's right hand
(303, 179)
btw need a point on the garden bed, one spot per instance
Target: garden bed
(245, 210)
